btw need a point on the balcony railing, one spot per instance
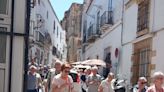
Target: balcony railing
(84, 41)
(106, 18)
(92, 34)
(84, 38)
(40, 37)
(90, 31)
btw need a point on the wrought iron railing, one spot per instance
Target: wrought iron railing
(107, 18)
(84, 38)
(90, 31)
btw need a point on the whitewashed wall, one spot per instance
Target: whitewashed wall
(156, 17)
(158, 26)
(57, 41)
(112, 37)
(158, 45)
(129, 34)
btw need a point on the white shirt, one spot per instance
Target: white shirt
(107, 87)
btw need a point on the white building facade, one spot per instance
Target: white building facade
(47, 36)
(102, 25)
(133, 39)
(142, 39)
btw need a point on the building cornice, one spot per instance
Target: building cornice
(149, 35)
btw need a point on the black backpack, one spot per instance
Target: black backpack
(83, 78)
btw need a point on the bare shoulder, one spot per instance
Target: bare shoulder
(150, 89)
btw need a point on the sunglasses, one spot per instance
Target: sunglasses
(160, 78)
(66, 71)
(143, 82)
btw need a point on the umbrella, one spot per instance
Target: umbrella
(81, 66)
(94, 62)
(76, 63)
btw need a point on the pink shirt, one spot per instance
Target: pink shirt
(153, 89)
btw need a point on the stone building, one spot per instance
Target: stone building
(134, 38)
(72, 24)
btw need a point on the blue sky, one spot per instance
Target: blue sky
(60, 6)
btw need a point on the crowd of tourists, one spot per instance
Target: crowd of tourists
(58, 79)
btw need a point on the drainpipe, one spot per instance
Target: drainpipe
(11, 45)
(122, 20)
(27, 28)
(122, 29)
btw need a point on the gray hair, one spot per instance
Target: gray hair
(111, 74)
(142, 78)
(95, 68)
(157, 74)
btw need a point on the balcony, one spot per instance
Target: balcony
(47, 39)
(84, 41)
(92, 34)
(106, 20)
(39, 37)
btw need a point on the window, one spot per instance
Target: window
(39, 2)
(144, 61)
(54, 27)
(97, 57)
(143, 15)
(3, 6)
(57, 31)
(47, 14)
(98, 22)
(60, 36)
(54, 50)
(3, 39)
(107, 54)
(141, 60)
(84, 31)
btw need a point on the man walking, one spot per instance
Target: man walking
(52, 72)
(93, 80)
(34, 80)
